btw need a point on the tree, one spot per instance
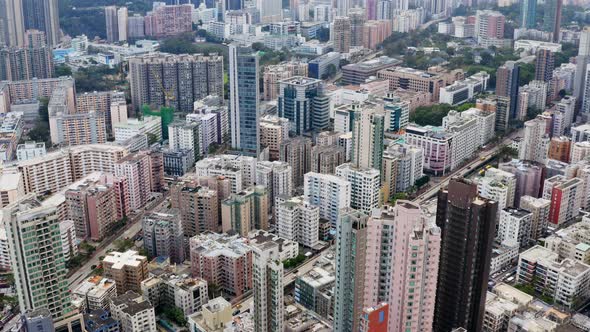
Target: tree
(507, 152)
(63, 70)
(430, 115)
(526, 73)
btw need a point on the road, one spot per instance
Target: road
(469, 167)
(131, 229)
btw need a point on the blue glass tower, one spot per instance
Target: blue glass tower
(244, 100)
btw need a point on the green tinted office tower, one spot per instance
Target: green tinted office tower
(552, 18)
(528, 13)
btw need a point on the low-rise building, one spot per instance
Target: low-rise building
(134, 312)
(565, 281)
(181, 291)
(128, 269)
(572, 242)
(96, 293)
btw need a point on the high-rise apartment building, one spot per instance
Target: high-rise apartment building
(12, 25)
(244, 99)
(507, 84)
(163, 235)
(273, 74)
(273, 132)
(499, 186)
(351, 243)
(365, 184)
(17, 64)
(367, 138)
(185, 135)
(403, 248)
(268, 288)
(168, 20)
(296, 152)
(144, 172)
(36, 252)
(565, 196)
(91, 202)
(325, 159)
(468, 224)
(198, 206)
(514, 226)
(112, 23)
(489, 24)
(174, 80)
(277, 177)
(341, 34)
(43, 16)
(544, 65)
(358, 18)
(69, 127)
(122, 23)
(529, 178)
(224, 260)
(535, 145)
(128, 269)
(539, 207)
(331, 193)
(301, 102)
(298, 220)
(245, 211)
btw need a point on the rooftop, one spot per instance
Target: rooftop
(122, 259)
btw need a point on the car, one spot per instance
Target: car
(235, 313)
(93, 267)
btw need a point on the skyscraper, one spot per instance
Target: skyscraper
(367, 138)
(582, 61)
(507, 85)
(122, 23)
(176, 81)
(244, 98)
(341, 34)
(43, 16)
(12, 26)
(403, 245)
(297, 103)
(552, 18)
(268, 289)
(468, 224)
(358, 18)
(528, 14)
(112, 23)
(37, 255)
(342, 7)
(544, 65)
(351, 242)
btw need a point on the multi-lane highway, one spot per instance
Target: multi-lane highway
(483, 157)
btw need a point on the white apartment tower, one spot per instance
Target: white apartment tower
(331, 193)
(298, 221)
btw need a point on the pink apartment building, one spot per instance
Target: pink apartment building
(403, 247)
(91, 201)
(223, 260)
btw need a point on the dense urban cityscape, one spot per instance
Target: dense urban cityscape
(294, 165)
